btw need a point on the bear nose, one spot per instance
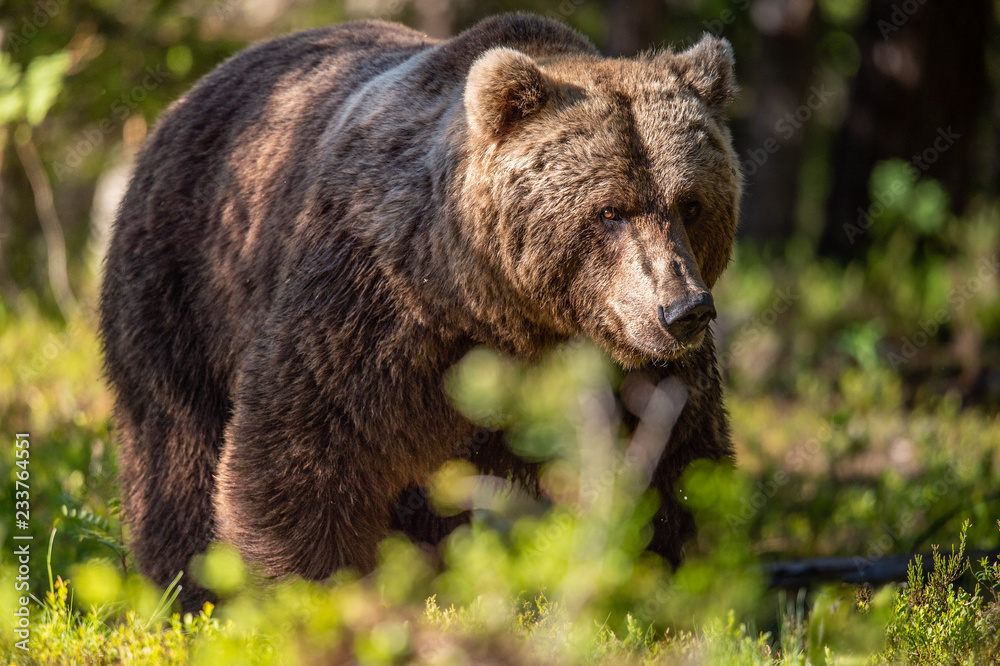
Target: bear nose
(687, 317)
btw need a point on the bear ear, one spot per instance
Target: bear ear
(503, 88)
(707, 67)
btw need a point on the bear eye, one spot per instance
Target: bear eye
(610, 214)
(691, 210)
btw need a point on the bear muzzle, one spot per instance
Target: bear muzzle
(686, 318)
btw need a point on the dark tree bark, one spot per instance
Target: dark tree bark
(922, 76)
(781, 76)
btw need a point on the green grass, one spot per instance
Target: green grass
(397, 616)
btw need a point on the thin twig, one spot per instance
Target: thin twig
(8, 288)
(55, 241)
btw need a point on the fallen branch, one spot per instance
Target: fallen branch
(855, 570)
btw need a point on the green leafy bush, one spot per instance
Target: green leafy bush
(936, 622)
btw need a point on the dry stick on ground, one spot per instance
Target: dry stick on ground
(55, 242)
(854, 570)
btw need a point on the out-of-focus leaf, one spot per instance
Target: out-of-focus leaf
(11, 100)
(41, 85)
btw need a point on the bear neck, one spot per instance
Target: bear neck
(413, 213)
(434, 253)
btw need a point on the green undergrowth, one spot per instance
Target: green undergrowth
(503, 614)
(568, 584)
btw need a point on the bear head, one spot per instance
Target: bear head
(606, 191)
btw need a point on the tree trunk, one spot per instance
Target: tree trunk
(781, 77)
(917, 96)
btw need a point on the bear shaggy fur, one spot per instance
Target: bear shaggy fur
(326, 223)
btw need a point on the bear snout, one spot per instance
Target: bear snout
(686, 318)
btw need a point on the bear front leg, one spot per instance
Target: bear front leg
(701, 431)
(298, 488)
(299, 501)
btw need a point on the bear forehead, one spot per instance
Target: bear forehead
(643, 97)
(679, 123)
(643, 75)
(609, 136)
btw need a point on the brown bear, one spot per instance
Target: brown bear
(326, 223)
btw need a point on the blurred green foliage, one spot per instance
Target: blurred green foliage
(922, 304)
(30, 95)
(571, 584)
